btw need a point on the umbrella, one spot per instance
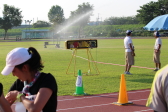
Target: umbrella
(158, 23)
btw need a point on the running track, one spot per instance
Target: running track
(103, 103)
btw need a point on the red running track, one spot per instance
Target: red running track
(103, 103)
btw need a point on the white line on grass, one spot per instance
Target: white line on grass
(112, 63)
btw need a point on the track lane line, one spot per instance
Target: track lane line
(131, 92)
(144, 110)
(93, 106)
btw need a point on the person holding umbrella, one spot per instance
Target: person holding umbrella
(157, 47)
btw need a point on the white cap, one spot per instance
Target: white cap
(15, 57)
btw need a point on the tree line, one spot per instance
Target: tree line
(12, 17)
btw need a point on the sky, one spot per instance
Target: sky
(103, 9)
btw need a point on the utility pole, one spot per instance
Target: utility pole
(98, 19)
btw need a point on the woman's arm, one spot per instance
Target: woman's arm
(4, 104)
(40, 101)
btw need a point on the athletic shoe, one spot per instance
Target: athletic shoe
(156, 69)
(125, 72)
(128, 73)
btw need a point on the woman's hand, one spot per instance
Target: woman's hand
(12, 96)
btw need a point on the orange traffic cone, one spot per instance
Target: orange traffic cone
(123, 98)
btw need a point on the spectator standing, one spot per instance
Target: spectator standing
(157, 48)
(129, 52)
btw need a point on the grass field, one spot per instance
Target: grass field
(56, 61)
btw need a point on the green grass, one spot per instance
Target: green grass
(56, 61)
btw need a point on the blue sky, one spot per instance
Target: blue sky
(38, 9)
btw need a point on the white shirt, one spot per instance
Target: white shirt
(127, 41)
(157, 42)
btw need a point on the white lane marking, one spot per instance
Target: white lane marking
(143, 110)
(102, 95)
(85, 107)
(138, 100)
(94, 105)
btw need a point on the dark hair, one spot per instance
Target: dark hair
(34, 62)
(128, 33)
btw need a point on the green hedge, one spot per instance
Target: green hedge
(93, 31)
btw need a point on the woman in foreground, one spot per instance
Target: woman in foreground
(37, 91)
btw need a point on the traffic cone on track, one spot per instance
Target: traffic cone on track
(79, 84)
(123, 98)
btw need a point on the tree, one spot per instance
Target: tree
(11, 17)
(41, 24)
(56, 15)
(81, 16)
(121, 20)
(151, 10)
(164, 4)
(162, 0)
